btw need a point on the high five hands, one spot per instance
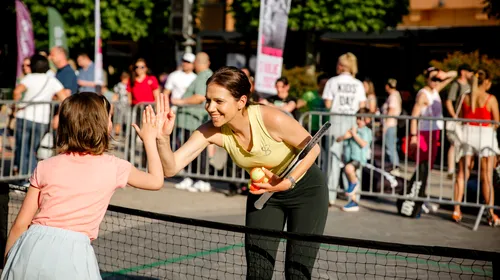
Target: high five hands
(156, 125)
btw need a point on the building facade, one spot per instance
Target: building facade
(447, 13)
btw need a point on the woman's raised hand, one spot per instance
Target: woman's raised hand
(165, 117)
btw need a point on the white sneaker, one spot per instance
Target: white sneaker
(185, 184)
(202, 186)
(192, 189)
(396, 172)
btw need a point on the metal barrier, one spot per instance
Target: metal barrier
(203, 167)
(28, 136)
(35, 130)
(439, 190)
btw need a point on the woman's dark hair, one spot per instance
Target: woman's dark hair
(284, 80)
(481, 76)
(428, 71)
(39, 64)
(133, 75)
(363, 110)
(232, 79)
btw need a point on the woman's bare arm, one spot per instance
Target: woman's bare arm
(285, 128)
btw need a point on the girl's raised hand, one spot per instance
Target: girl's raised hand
(149, 128)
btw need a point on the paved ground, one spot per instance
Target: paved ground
(377, 219)
(137, 248)
(131, 247)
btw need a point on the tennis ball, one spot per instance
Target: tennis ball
(257, 175)
(252, 187)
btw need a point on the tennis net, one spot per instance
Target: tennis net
(135, 244)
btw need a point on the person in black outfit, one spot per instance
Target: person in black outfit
(283, 100)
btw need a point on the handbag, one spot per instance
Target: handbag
(46, 148)
(454, 129)
(412, 153)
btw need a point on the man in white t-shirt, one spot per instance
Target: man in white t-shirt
(32, 120)
(178, 82)
(343, 94)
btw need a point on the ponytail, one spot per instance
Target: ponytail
(477, 80)
(474, 91)
(353, 62)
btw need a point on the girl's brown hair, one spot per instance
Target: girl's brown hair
(234, 80)
(83, 124)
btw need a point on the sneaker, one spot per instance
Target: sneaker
(202, 186)
(186, 183)
(351, 206)
(493, 219)
(192, 189)
(497, 169)
(425, 208)
(350, 190)
(396, 172)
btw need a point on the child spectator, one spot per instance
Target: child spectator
(356, 143)
(122, 102)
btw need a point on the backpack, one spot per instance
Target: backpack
(417, 186)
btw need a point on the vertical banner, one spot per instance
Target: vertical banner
(25, 37)
(273, 25)
(98, 47)
(57, 35)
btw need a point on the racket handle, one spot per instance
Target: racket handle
(259, 204)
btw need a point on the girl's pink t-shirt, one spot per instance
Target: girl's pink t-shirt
(75, 190)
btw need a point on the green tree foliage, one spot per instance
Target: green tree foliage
(492, 7)
(301, 80)
(453, 61)
(327, 15)
(120, 19)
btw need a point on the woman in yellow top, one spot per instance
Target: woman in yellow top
(258, 136)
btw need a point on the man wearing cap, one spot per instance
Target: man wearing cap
(457, 91)
(178, 81)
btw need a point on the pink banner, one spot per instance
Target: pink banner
(25, 38)
(273, 24)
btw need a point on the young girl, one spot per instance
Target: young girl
(69, 193)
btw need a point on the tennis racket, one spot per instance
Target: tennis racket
(259, 204)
